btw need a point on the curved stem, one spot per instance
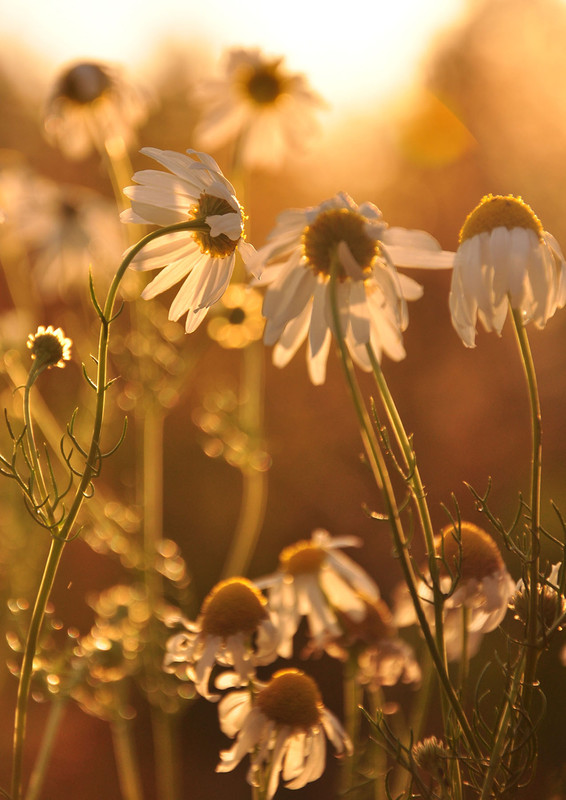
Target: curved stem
(533, 566)
(62, 534)
(382, 478)
(413, 479)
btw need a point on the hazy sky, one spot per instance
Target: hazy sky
(350, 50)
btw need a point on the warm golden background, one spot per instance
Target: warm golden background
(432, 105)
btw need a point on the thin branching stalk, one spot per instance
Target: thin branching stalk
(61, 534)
(382, 478)
(418, 492)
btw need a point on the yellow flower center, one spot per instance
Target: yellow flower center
(264, 85)
(500, 211)
(291, 698)
(83, 84)
(322, 237)
(301, 557)
(478, 557)
(215, 246)
(233, 606)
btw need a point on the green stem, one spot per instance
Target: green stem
(254, 491)
(352, 700)
(418, 492)
(383, 482)
(47, 744)
(63, 533)
(126, 761)
(533, 566)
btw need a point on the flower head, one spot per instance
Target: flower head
(284, 729)
(259, 104)
(237, 320)
(505, 258)
(93, 106)
(474, 578)
(383, 658)
(233, 629)
(194, 190)
(314, 580)
(371, 295)
(49, 347)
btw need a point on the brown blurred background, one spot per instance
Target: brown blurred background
(487, 113)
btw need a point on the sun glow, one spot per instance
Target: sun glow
(360, 56)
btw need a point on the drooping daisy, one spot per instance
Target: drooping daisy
(371, 293)
(284, 728)
(551, 605)
(505, 258)
(194, 189)
(315, 579)
(383, 658)
(476, 584)
(260, 106)
(234, 628)
(93, 107)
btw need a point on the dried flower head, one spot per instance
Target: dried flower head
(49, 347)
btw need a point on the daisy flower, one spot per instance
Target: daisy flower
(234, 628)
(315, 579)
(371, 294)
(476, 585)
(194, 190)
(93, 107)
(505, 258)
(284, 726)
(259, 105)
(383, 658)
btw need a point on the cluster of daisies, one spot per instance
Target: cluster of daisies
(333, 268)
(244, 625)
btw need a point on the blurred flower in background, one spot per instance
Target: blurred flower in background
(260, 106)
(94, 107)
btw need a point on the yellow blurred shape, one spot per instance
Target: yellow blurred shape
(431, 135)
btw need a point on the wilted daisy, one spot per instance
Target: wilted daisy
(383, 658)
(193, 190)
(93, 107)
(49, 347)
(315, 579)
(371, 294)
(551, 604)
(284, 726)
(259, 105)
(505, 258)
(233, 629)
(475, 582)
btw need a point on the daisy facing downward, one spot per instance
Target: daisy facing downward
(284, 727)
(505, 258)
(354, 241)
(196, 198)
